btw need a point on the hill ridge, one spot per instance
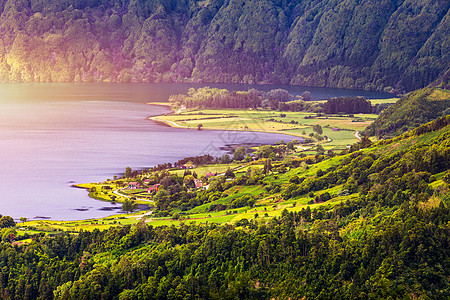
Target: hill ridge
(389, 46)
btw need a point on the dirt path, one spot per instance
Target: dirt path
(182, 108)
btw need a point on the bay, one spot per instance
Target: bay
(55, 135)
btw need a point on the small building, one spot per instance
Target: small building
(153, 188)
(147, 181)
(188, 165)
(198, 183)
(133, 185)
(208, 175)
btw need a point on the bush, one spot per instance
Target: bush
(294, 179)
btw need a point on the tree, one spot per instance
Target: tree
(306, 95)
(7, 221)
(23, 219)
(127, 172)
(229, 174)
(225, 159)
(291, 145)
(189, 181)
(129, 205)
(199, 126)
(317, 128)
(278, 95)
(8, 235)
(239, 153)
(267, 166)
(265, 151)
(320, 149)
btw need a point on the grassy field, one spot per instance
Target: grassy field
(373, 101)
(53, 227)
(440, 94)
(340, 129)
(382, 101)
(214, 168)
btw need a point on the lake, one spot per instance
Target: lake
(55, 135)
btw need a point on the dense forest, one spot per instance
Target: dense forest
(276, 99)
(221, 98)
(375, 45)
(389, 239)
(350, 105)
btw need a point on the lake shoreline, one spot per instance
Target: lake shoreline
(89, 132)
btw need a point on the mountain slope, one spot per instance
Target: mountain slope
(381, 233)
(412, 110)
(364, 44)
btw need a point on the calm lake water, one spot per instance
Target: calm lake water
(55, 135)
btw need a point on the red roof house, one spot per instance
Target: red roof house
(133, 185)
(198, 183)
(153, 188)
(210, 175)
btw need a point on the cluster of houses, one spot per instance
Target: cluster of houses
(188, 165)
(133, 185)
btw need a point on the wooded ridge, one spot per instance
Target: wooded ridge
(372, 45)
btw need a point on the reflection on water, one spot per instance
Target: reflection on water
(52, 136)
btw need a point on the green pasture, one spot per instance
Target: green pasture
(382, 101)
(291, 123)
(214, 168)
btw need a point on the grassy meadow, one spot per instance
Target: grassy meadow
(339, 129)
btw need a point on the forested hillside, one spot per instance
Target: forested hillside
(383, 235)
(412, 110)
(375, 45)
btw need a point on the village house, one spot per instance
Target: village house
(153, 188)
(198, 183)
(146, 181)
(133, 185)
(189, 165)
(210, 175)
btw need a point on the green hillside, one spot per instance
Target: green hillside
(370, 224)
(412, 110)
(374, 45)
